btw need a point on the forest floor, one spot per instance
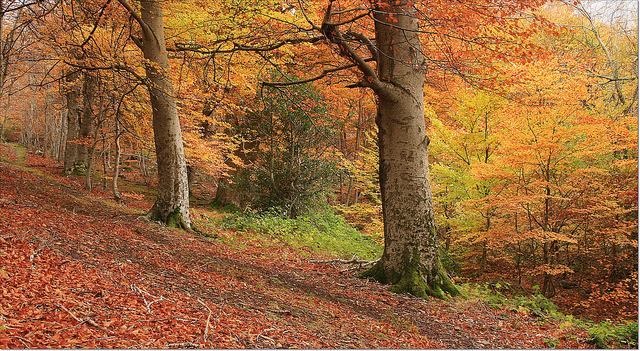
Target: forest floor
(78, 270)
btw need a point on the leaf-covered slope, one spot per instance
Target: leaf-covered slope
(76, 272)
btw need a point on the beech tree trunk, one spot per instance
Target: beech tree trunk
(116, 164)
(73, 112)
(172, 203)
(410, 259)
(86, 124)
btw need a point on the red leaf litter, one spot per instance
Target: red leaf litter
(78, 271)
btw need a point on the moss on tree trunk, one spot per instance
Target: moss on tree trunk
(174, 219)
(415, 279)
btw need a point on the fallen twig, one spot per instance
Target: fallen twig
(142, 292)
(87, 320)
(34, 254)
(24, 341)
(264, 337)
(206, 329)
(361, 263)
(96, 339)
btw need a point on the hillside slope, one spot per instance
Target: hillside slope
(78, 271)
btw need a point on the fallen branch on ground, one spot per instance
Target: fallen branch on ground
(87, 320)
(361, 263)
(207, 328)
(34, 254)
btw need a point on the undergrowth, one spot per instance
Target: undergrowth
(602, 335)
(323, 232)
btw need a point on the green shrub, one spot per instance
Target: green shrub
(294, 165)
(602, 335)
(537, 305)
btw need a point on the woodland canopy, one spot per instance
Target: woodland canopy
(489, 142)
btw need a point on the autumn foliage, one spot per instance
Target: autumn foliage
(537, 185)
(531, 111)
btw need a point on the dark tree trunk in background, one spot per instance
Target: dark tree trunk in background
(72, 95)
(86, 123)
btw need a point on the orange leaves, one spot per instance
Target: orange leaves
(552, 269)
(534, 183)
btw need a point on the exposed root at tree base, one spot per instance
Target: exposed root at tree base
(437, 283)
(173, 220)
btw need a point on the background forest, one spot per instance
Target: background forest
(534, 160)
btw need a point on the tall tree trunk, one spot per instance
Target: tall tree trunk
(62, 137)
(73, 113)
(90, 158)
(172, 203)
(410, 259)
(116, 164)
(86, 123)
(3, 68)
(5, 116)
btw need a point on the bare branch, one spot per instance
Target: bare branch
(333, 34)
(373, 50)
(359, 8)
(318, 77)
(197, 48)
(109, 68)
(95, 25)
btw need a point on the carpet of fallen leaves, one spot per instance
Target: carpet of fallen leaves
(79, 271)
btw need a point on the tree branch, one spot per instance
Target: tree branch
(332, 33)
(197, 48)
(109, 68)
(145, 28)
(373, 50)
(95, 24)
(318, 77)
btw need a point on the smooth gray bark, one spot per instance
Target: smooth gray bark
(410, 260)
(173, 188)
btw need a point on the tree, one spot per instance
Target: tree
(464, 146)
(172, 203)
(410, 260)
(15, 19)
(411, 39)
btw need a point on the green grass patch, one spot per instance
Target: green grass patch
(607, 335)
(323, 232)
(21, 154)
(603, 335)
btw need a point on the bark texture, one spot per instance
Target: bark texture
(116, 164)
(410, 260)
(73, 114)
(172, 203)
(86, 125)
